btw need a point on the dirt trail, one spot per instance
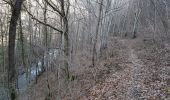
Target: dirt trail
(134, 91)
(136, 75)
(125, 84)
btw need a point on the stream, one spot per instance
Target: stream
(23, 81)
(34, 71)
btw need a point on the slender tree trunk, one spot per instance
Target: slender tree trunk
(77, 37)
(137, 14)
(22, 43)
(2, 41)
(66, 46)
(65, 39)
(28, 68)
(94, 57)
(45, 38)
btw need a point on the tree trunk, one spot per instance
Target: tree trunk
(22, 43)
(65, 40)
(3, 49)
(97, 32)
(66, 47)
(11, 48)
(137, 14)
(45, 38)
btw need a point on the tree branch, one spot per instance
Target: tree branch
(55, 9)
(34, 18)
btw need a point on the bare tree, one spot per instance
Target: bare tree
(16, 8)
(94, 57)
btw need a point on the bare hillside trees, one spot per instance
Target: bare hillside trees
(39, 36)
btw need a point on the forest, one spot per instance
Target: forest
(84, 50)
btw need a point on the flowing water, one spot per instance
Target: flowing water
(24, 80)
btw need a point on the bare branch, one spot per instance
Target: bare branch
(54, 8)
(34, 18)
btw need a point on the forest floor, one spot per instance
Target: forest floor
(137, 69)
(145, 77)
